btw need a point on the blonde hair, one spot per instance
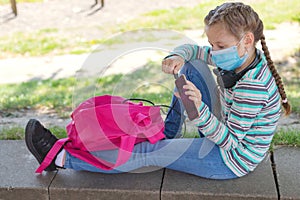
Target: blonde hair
(239, 18)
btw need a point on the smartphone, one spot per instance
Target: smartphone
(189, 105)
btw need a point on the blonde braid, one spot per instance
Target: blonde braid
(279, 83)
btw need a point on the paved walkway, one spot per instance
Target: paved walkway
(20, 69)
(76, 17)
(70, 18)
(18, 181)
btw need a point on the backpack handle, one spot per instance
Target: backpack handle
(58, 145)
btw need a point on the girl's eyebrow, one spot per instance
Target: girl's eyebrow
(218, 42)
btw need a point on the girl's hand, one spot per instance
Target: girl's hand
(172, 65)
(193, 93)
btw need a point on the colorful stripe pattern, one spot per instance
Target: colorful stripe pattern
(250, 111)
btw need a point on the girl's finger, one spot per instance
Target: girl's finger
(190, 93)
(177, 94)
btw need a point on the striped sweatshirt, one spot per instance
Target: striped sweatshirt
(250, 112)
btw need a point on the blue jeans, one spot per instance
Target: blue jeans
(197, 156)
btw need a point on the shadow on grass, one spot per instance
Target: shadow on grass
(146, 82)
(50, 94)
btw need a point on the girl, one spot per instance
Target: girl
(249, 91)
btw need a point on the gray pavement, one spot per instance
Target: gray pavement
(288, 171)
(69, 184)
(18, 181)
(257, 185)
(17, 178)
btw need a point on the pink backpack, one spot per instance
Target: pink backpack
(107, 123)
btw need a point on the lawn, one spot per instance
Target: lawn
(282, 137)
(52, 41)
(153, 85)
(59, 94)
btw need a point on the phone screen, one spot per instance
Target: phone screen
(189, 105)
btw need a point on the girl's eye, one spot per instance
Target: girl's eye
(221, 47)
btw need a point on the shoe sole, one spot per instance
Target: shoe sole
(30, 127)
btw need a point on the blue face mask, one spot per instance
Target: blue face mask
(228, 59)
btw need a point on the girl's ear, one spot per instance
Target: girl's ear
(249, 39)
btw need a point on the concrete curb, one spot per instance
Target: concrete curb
(18, 181)
(288, 172)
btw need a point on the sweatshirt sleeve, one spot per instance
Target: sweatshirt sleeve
(191, 52)
(248, 100)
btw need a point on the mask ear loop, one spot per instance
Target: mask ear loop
(241, 40)
(237, 45)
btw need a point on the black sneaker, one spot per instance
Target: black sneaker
(39, 141)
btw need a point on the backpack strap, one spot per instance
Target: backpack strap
(51, 154)
(124, 154)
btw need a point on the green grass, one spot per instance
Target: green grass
(32, 44)
(52, 41)
(152, 85)
(52, 94)
(276, 12)
(12, 133)
(17, 132)
(282, 137)
(43, 42)
(291, 79)
(147, 82)
(182, 18)
(293, 93)
(287, 137)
